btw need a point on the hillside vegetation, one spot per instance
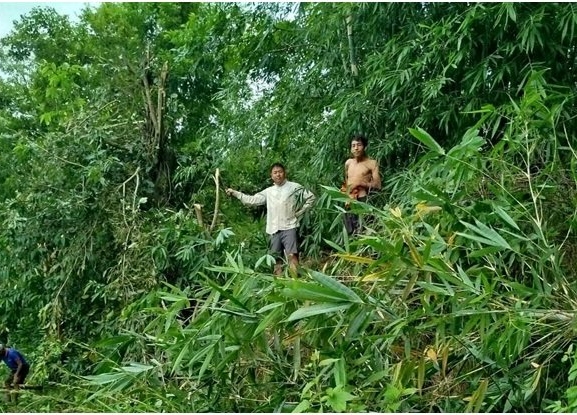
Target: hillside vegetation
(460, 294)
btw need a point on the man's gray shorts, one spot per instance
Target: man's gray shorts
(284, 241)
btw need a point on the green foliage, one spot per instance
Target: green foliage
(459, 295)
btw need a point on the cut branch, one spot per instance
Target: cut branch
(198, 211)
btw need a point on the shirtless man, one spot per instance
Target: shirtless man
(361, 177)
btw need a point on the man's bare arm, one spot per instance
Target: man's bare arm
(376, 177)
(17, 373)
(346, 180)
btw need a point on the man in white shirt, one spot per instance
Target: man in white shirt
(286, 202)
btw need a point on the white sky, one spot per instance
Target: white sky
(11, 11)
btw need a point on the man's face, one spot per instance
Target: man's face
(357, 148)
(277, 175)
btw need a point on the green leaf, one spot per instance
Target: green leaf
(104, 378)
(304, 291)
(357, 323)
(505, 216)
(466, 280)
(487, 236)
(340, 372)
(269, 307)
(375, 377)
(173, 298)
(489, 250)
(338, 398)
(511, 11)
(334, 246)
(338, 287)
(427, 140)
(136, 368)
(185, 350)
(435, 288)
(315, 310)
(303, 406)
(268, 321)
(207, 361)
(225, 293)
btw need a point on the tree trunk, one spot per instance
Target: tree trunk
(157, 151)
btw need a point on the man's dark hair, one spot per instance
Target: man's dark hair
(277, 165)
(361, 138)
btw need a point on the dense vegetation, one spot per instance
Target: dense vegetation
(459, 296)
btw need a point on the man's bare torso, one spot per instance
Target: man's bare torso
(360, 175)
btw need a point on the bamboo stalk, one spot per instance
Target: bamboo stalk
(216, 203)
(354, 69)
(148, 94)
(161, 101)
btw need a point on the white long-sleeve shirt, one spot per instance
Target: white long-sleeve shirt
(285, 204)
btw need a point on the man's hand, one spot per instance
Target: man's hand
(230, 192)
(353, 184)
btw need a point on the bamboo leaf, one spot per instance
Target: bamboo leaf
(104, 378)
(313, 292)
(434, 288)
(336, 286)
(296, 357)
(334, 246)
(269, 307)
(477, 398)
(427, 140)
(360, 319)
(421, 373)
(355, 258)
(303, 406)
(183, 352)
(465, 278)
(505, 216)
(511, 11)
(487, 236)
(207, 361)
(375, 377)
(340, 372)
(315, 310)
(136, 368)
(226, 294)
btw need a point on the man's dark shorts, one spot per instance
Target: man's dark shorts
(353, 221)
(284, 241)
(23, 373)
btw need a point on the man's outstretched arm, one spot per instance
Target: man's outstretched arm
(255, 200)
